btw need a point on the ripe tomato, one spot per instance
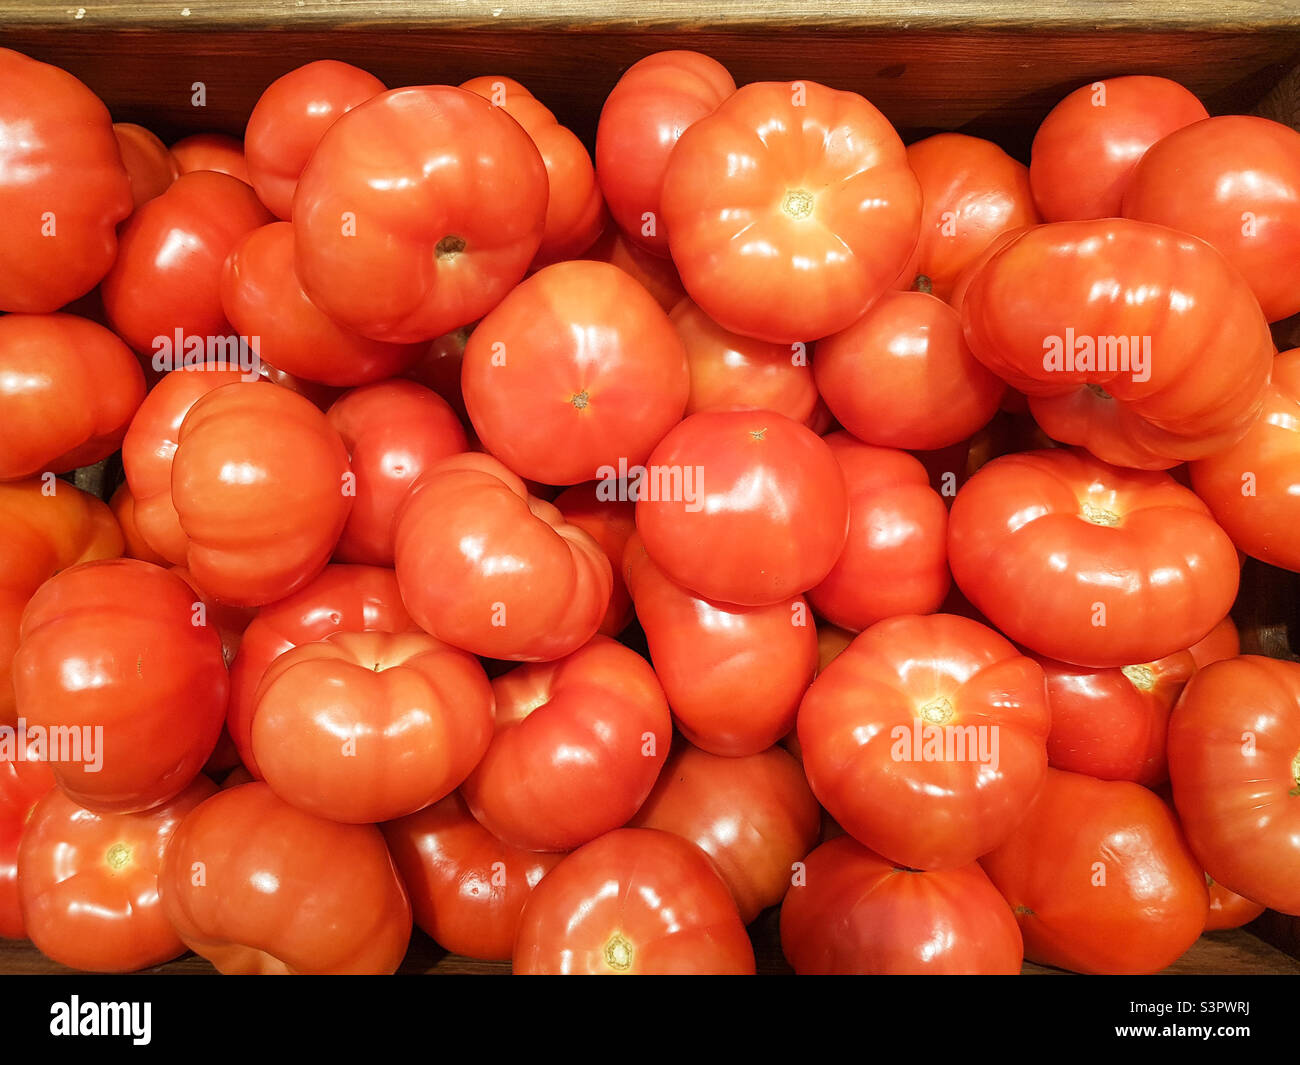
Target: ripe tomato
(260, 489)
(775, 236)
(111, 654)
(467, 887)
(1086, 149)
(579, 744)
(1087, 563)
(368, 726)
(733, 675)
(216, 152)
(1100, 878)
(831, 640)
(1253, 487)
(438, 368)
(1112, 723)
(22, 785)
(262, 297)
(1228, 909)
(926, 739)
(165, 287)
(611, 523)
(1234, 761)
(229, 621)
(633, 902)
(68, 389)
(896, 558)
(89, 882)
(575, 211)
(257, 886)
(1141, 344)
(63, 188)
(289, 119)
(754, 816)
(488, 568)
(645, 114)
(658, 276)
(418, 211)
(150, 167)
(852, 912)
(971, 193)
(1222, 642)
(745, 507)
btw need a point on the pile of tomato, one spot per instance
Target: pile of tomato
(578, 555)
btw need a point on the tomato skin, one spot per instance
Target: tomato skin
(1234, 741)
(60, 163)
(229, 621)
(1131, 548)
(1222, 642)
(22, 786)
(68, 390)
(112, 644)
(283, 891)
(217, 152)
(259, 490)
(394, 431)
(150, 166)
(866, 715)
(394, 278)
(1228, 909)
(770, 512)
(574, 370)
(611, 523)
(636, 901)
(89, 882)
(474, 550)
(1086, 149)
(656, 275)
(754, 816)
(369, 726)
(1112, 724)
(579, 744)
(733, 675)
(902, 375)
(467, 887)
(643, 117)
(776, 237)
(1151, 905)
(289, 119)
(1267, 462)
(857, 914)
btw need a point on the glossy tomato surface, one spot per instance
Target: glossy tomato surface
(23, 784)
(218, 152)
(149, 164)
(595, 508)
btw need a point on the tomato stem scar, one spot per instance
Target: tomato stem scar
(618, 952)
(797, 203)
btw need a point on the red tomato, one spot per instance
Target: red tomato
(261, 295)
(438, 368)
(123, 507)
(1112, 723)
(1228, 909)
(419, 210)
(831, 640)
(212, 151)
(1222, 642)
(68, 390)
(633, 902)
(745, 507)
(467, 887)
(611, 522)
(896, 558)
(256, 886)
(369, 726)
(1087, 563)
(1100, 878)
(110, 652)
(902, 375)
(971, 193)
(733, 675)
(775, 236)
(22, 785)
(754, 816)
(63, 188)
(341, 599)
(579, 744)
(645, 114)
(1234, 761)
(163, 294)
(926, 739)
(575, 370)
(149, 165)
(229, 621)
(658, 276)
(89, 882)
(1253, 487)
(1087, 147)
(259, 483)
(730, 372)
(575, 211)
(851, 912)
(394, 431)
(488, 568)
(1233, 181)
(1165, 356)
(289, 119)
